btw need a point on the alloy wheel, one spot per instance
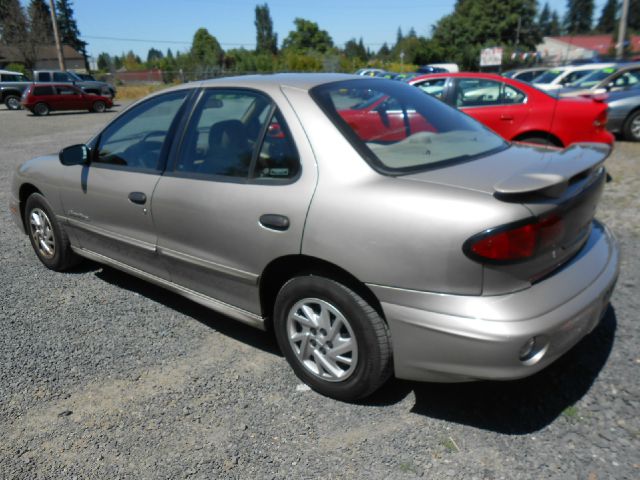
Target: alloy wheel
(42, 233)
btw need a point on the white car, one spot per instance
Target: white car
(559, 77)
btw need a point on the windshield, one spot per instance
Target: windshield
(400, 129)
(548, 76)
(594, 78)
(74, 76)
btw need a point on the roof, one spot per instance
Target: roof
(597, 43)
(11, 53)
(304, 81)
(11, 72)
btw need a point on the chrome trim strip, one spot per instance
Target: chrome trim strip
(150, 247)
(234, 312)
(245, 277)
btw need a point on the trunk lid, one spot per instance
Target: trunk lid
(560, 188)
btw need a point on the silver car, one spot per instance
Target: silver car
(373, 228)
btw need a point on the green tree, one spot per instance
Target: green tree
(634, 16)
(307, 37)
(355, 50)
(69, 33)
(40, 25)
(384, 53)
(205, 51)
(132, 62)
(104, 62)
(555, 26)
(579, 16)
(153, 57)
(475, 24)
(607, 22)
(13, 22)
(266, 39)
(544, 20)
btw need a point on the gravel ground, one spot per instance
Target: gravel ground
(104, 376)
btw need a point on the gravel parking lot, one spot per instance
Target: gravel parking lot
(105, 376)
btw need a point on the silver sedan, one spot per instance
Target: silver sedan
(372, 228)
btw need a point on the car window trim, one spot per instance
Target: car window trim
(176, 151)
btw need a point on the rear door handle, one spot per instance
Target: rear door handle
(138, 197)
(506, 117)
(274, 221)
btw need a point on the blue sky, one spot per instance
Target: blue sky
(115, 26)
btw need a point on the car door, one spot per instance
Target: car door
(237, 195)
(501, 107)
(107, 203)
(67, 97)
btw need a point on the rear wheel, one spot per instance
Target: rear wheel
(99, 107)
(48, 238)
(631, 129)
(41, 109)
(333, 339)
(12, 102)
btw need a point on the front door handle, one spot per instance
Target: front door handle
(274, 221)
(138, 197)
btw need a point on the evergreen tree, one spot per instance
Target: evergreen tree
(104, 62)
(384, 53)
(13, 22)
(544, 20)
(266, 39)
(68, 28)
(40, 25)
(555, 27)
(205, 51)
(607, 22)
(399, 36)
(579, 17)
(355, 50)
(153, 57)
(633, 19)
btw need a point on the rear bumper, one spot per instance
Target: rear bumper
(451, 338)
(614, 124)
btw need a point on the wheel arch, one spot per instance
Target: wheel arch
(538, 133)
(627, 118)
(282, 269)
(25, 191)
(7, 92)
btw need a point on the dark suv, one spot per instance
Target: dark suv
(43, 98)
(59, 76)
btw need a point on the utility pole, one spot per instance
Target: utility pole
(622, 29)
(56, 34)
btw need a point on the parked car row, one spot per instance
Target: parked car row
(13, 84)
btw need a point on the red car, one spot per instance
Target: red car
(517, 111)
(43, 98)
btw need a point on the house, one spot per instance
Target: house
(568, 48)
(46, 57)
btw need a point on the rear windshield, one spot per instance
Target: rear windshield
(400, 129)
(44, 90)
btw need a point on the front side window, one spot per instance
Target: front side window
(402, 130)
(627, 79)
(13, 77)
(237, 134)
(44, 77)
(136, 139)
(548, 76)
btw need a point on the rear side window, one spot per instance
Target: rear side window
(44, 77)
(398, 129)
(43, 90)
(474, 92)
(237, 134)
(60, 77)
(66, 90)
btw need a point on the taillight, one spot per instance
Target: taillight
(513, 243)
(601, 120)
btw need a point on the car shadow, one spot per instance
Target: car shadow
(227, 326)
(515, 407)
(62, 113)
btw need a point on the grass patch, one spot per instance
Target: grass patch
(571, 412)
(135, 92)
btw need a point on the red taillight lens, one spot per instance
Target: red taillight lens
(601, 120)
(517, 243)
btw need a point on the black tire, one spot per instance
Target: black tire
(41, 109)
(61, 257)
(631, 129)
(99, 106)
(12, 102)
(364, 327)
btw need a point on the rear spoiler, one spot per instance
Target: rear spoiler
(558, 170)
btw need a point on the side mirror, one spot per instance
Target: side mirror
(74, 155)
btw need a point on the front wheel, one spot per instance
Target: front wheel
(99, 107)
(631, 128)
(333, 339)
(48, 238)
